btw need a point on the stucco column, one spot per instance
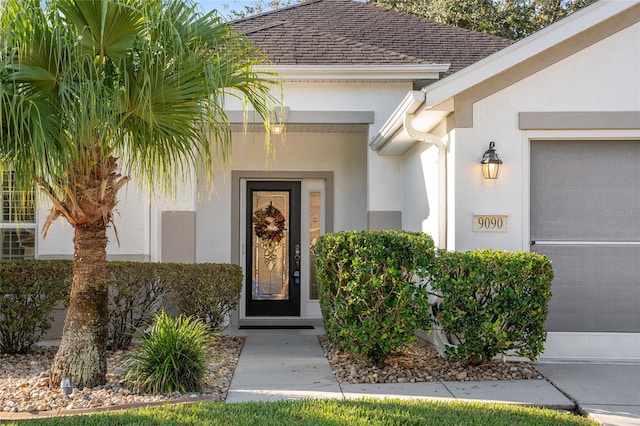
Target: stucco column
(384, 191)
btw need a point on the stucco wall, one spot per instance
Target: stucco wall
(138, 223)
(420, 190)
(604, 77)
(384, 174)
(131, 221)
(342, 153)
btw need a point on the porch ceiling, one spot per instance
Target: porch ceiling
(308, 121)
(308, 127)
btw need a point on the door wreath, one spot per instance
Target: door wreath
(268, 224)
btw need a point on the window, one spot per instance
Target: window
(18, 223)
(315, 230)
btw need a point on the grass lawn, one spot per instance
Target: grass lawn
(328, 412)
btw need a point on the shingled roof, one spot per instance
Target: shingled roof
(347, 32)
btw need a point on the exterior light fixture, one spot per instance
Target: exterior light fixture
(278, 118)
(66, 387)
(491, 162)
(276, 129)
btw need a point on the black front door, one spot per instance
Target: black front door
(273, 248)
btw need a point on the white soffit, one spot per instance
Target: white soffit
(307, 121)
(405, 72)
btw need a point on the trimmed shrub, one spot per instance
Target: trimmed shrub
(491, 302)
(136, 292)
(171, 356)
(29, 290)
(367, 287)
(207, 291)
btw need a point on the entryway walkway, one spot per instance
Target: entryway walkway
(290, 364)
(283, 365)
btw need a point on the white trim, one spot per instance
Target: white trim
(526, 191)
(591, 347)
(357, 72)
(409, 105)
(310, 308)
(307, 117)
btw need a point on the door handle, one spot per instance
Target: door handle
(297, 256)
(296, 272)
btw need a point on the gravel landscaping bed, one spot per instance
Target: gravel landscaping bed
(24, 381)
(418, 362)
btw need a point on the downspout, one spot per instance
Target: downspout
(442, 174)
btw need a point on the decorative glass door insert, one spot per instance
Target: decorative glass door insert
(270, 244)
(273, 248)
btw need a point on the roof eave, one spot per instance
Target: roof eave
(366, 72)
(443, 91)
(409, 104)
(524, 49)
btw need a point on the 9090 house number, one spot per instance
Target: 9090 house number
(490, 223)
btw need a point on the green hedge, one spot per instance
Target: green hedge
(207, 291)
(366, 285)
(136, 292)
(29, 290)
(492, 302)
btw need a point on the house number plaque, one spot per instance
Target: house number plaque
(489, 223)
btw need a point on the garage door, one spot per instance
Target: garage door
(585, 215)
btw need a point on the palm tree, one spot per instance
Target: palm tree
(93, 92)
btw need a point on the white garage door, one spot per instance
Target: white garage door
(585, 215)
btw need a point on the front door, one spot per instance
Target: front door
(273, 248)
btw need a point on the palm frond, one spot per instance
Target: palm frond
(87, 85)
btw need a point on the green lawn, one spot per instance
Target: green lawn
(328, 412)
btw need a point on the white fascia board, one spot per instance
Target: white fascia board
(444, 90)
(357, 72)
(524, 49)
(409, 104)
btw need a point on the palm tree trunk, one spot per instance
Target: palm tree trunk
(82, 352)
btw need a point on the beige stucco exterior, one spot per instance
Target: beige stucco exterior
(348, 130)
(588, 91)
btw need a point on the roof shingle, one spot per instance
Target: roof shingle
(343, 32)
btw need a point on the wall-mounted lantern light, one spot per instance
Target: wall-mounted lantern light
(491, 162)
(278, 118)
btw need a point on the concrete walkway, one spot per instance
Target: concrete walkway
(290, 364)
(610, 393)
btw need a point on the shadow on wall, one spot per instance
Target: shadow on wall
(419, 182)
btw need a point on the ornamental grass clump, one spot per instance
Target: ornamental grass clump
(171, 356)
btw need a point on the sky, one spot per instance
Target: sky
(224, 6)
